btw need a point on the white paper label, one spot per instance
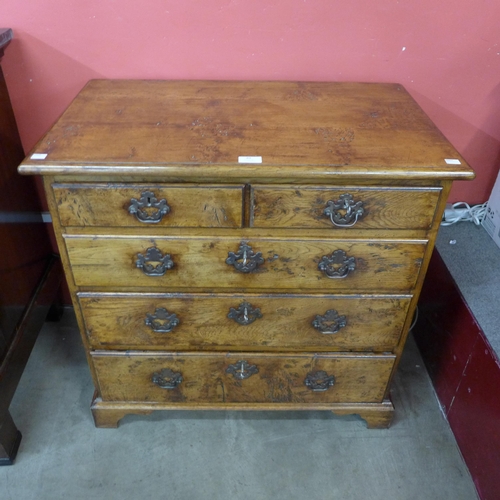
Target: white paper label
(249, 159)
(452, 161)
(39, 156)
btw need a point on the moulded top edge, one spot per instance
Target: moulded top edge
(236, 171)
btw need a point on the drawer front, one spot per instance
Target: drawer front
(204, 262)
(172, 206)
(242, 378)
(243, 322)
(363, 208)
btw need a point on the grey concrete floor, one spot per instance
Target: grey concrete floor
(222, 455)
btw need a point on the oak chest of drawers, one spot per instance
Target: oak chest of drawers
(244, 245)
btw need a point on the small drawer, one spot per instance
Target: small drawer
(243, 322)
(359, 207)
(170, 262)
(141, 205)
(242, 378)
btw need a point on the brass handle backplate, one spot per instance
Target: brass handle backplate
(242, 370)
(319, 381)
(245, 260)
(337, 265)
(167, 379)
(246, 314)
(344, 212)
(154, 263)
(161, 321)
(331, 322)
(148, 209)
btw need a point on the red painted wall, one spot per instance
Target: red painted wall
(445, 52)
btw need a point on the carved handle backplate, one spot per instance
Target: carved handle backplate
(242, 370)
(344, 212)
(167, 379)
(161, 321)
(245, 260)
(319, 381)
(245, 314)
(154, 263)
(337, 265)
(331, 322)
(148, 209)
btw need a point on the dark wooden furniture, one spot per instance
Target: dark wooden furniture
(245, 245)
(29, 273)
(463, 366)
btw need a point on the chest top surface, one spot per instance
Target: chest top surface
(245, 128)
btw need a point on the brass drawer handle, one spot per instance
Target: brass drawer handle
(167, 379)
(161, 321)
(245, 260)
(337, 265)
(246, 314)
(154, 263)
(331, 322)
(242, 370)
(344, 212)
(319, 381)
(142, 208)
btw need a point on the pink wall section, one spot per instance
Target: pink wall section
(445, 52)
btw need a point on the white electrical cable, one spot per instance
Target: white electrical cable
(415, 319)
(462, 211)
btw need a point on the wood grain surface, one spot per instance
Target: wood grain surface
(280, 378)
(354, 129)
(110, 261)
(303, 206)
(189, 205)
(117, 321)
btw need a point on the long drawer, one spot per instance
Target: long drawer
(242, 322)
(220, 262)
(136, 205)
(240, 378)
(360, 207)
